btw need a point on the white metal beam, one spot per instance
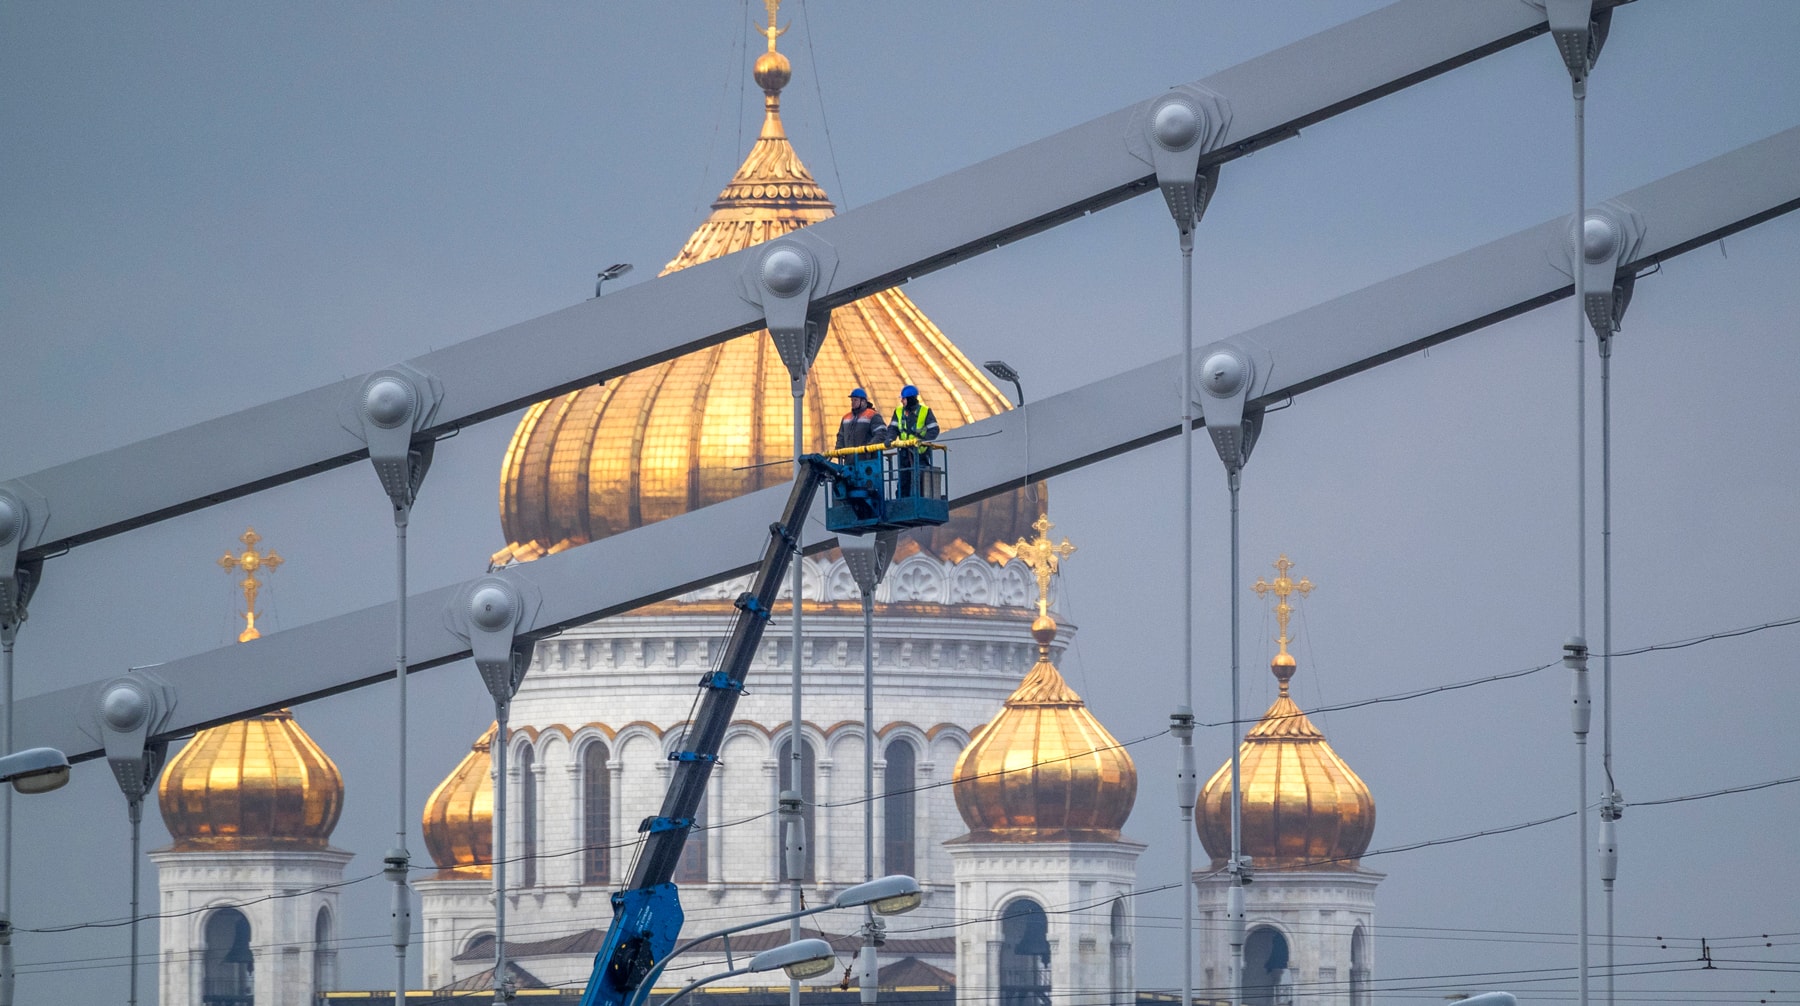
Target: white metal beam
(1080, 427)
(1013, 195)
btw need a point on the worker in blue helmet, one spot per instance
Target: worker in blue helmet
(862, 425)
(913, 420)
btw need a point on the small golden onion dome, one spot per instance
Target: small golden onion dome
(1303, 807)
(1044, 769)
(256, 784)
(706, 426)
(459, 815)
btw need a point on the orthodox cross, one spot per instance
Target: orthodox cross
(771, 32)
(250, 560)
(1043, 558)
(1282, 588)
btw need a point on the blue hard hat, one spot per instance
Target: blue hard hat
(909, 392)
(860, 393)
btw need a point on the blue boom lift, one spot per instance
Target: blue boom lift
(873, 488)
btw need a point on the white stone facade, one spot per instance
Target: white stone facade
(292, 936)
(952, 641)
(1089, 950)
(1326, 919)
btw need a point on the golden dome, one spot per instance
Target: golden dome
(459, 815)
(1044, 770)
(1303, 807)
(259, 783)
(690, 432)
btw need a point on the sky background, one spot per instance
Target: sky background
(209, 206)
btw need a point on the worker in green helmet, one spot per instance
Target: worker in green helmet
(913, 420)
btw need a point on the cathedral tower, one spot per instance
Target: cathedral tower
(250, 806)
(1043, 878)
(604, 704)
(1308, 818)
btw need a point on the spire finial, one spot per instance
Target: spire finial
(1043, 558)
(772, 70)
(1283, 587)
(771, 32)
(250, 560)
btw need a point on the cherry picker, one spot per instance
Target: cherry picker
(870, 491)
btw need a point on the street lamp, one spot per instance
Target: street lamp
(891, 895)
(613, 271)
(35, 770)
(1004, 371)
(801, 959)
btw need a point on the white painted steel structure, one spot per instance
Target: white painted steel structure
(1031, 189)
(1292, 355)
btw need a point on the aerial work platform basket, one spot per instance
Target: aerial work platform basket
(888, 486)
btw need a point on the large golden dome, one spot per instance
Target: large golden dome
(259, 783)
(689, 432)
(459, 815)
(1303, 807)
(1044, 769)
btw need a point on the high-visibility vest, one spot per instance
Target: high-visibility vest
(921, 423)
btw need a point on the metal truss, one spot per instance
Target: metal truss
(1283, 358)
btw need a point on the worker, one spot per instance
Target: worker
(913, 420)
(862, 425)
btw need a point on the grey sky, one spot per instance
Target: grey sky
(207, 206)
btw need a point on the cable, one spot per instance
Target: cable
(843, 196)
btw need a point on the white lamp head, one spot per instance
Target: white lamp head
(892, 895)
(801, 959)
(35, 770)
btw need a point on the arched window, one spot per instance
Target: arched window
(897, 805)
(1024, 955)
(527, 854)
(691, 867)
(324, 953)
(229, 975)
(1266, 968)
(784, 755)
(1121, 956)
(1359, 968)
(596, 815)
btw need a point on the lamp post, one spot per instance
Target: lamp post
(613, 271)
(34, 770)
(1002, 370)
(892, 895)
(801, 959)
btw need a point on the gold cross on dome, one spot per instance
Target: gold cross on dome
(1043, 558)
(1282, 588)
(772, 32)
(250, 560)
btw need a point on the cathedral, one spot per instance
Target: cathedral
(995, 786)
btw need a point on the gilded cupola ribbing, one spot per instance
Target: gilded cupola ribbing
(459, 815)
(258, 783)
(704, 427)
(1044, 769)
(1303, 807)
